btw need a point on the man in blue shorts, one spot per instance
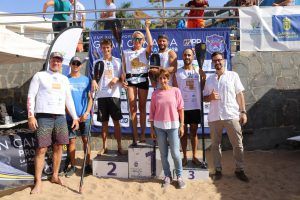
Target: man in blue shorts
(48, 96)
(80, 88)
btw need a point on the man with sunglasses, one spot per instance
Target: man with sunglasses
(80, 89)
(224, 91)
(48, 96)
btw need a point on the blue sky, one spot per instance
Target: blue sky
(23, 6)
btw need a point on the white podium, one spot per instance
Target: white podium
(111, 165)
(141, 161)
(193, 172)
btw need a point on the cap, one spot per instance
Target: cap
(75, 58)
(56, 55)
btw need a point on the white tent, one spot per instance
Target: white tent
(15, 48)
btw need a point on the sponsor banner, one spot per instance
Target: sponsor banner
(18, 151)
(270, 28)
(179, 39)
(65, 43)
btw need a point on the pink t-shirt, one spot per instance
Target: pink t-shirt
(164, 108)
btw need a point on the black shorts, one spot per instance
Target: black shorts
(109, 106)
(192, 116)
(142, 85)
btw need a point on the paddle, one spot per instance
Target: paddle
(98, 72)
(200, 49)
(117, 33)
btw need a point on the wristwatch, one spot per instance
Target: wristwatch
(243, 111)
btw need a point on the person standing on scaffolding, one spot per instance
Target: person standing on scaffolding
(136, 81)
(59, 6)
(79, 17)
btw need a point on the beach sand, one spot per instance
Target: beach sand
(274, 175)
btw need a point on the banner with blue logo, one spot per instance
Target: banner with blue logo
(286, 27)
(179, 39)
(270, 28)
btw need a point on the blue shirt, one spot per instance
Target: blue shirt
(80, 88)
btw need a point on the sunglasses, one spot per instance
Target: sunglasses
(76, 63)
(136, 39)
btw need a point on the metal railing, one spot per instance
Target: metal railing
(214, 18)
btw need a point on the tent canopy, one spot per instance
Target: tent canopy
(15, 48)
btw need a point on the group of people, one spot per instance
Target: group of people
(61, 20)
(174, 110)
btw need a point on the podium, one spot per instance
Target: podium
(142, 162)
(194, 172)
(111, 165)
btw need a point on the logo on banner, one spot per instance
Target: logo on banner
(286, 27)
(191, 42)
(215, 43)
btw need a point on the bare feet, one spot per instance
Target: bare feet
(102, 151)
(184, 162)
(196, 161)
(57, 180)
(37, 188)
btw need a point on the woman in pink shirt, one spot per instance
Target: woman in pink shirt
(167, 121)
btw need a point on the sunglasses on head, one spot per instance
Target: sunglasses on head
(76, 63)
(136, 39)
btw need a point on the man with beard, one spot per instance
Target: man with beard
(168, 60)
(224, 91)
(188, 81)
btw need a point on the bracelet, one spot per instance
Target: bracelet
(243, 111)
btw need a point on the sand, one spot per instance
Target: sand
(274, 175)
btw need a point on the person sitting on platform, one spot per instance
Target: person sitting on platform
(167, 119)
(80, 88)
(109, 94)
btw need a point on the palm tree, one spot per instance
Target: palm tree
(128, 24)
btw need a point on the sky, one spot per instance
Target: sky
(25, 6)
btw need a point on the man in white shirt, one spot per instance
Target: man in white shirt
(108, 15)
(48, 96)
(224, 91)
(80, 17)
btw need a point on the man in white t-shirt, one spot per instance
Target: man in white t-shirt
(108, 15)
(80, 17)
(224, 91)
(109, 94)
(48, 97)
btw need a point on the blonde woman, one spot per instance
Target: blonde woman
(135, 78)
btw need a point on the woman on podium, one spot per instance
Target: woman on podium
(167, 121)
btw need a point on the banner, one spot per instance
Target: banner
(65, 43)
(179, 39)
(270, 28)
(17, 151)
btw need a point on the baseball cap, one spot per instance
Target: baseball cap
(75, 58)
(56, 55)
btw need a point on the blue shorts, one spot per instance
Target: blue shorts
(82, 131)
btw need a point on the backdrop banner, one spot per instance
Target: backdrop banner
(270, 28)
(17, 153)
(179, 39)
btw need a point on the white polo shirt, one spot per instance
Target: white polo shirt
(228, 86)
